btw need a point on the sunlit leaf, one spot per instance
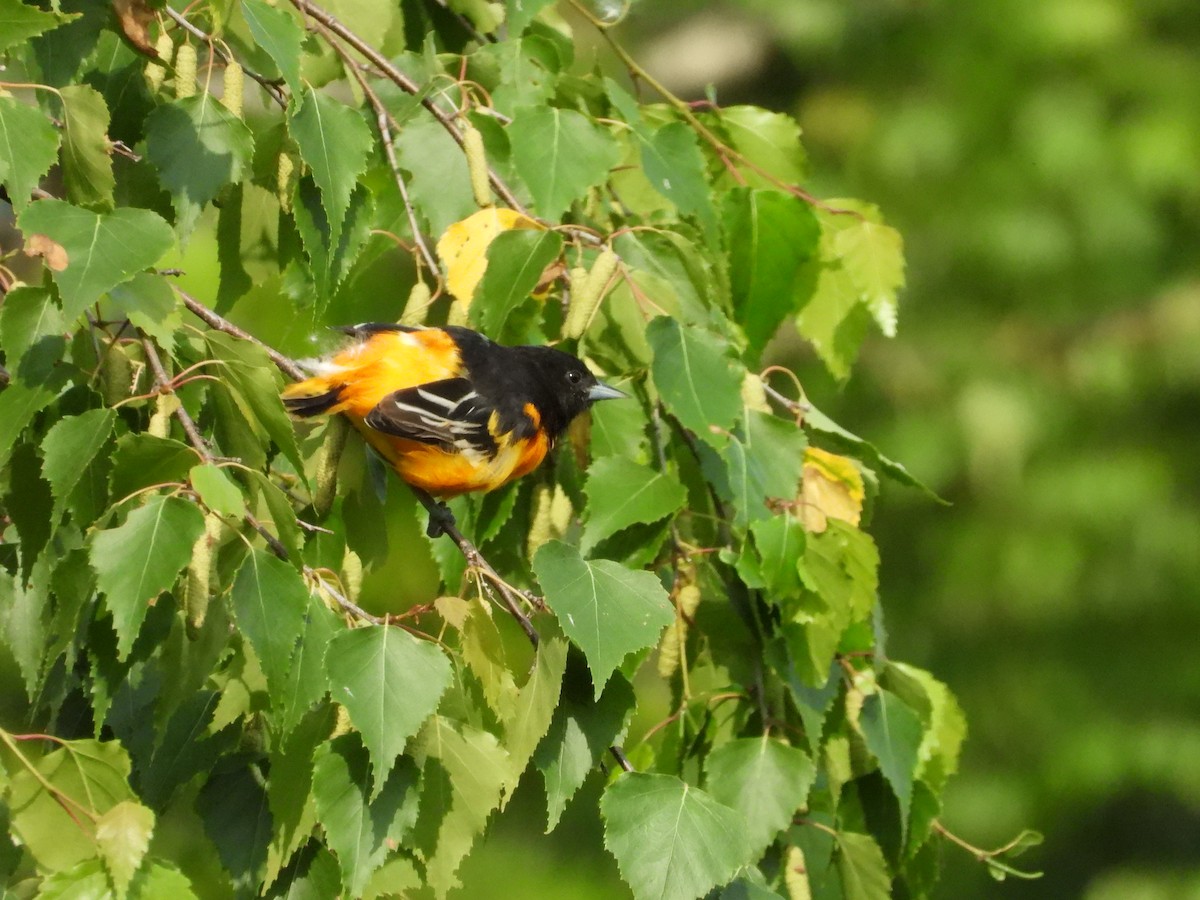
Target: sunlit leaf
(390, 682)
(862, 867)
(334, 141)
(463, 248)
(103, 249)
(280, 35)
(560, 155)
(270, 600)
(607, 610)
(137, 561)
(28, 147)
(765, 780)
(671, 840)
(622, 493)
(67, 449)
(87, 166)
(699, 383)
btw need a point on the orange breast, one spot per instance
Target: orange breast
(392, 361)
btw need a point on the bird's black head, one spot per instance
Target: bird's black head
(564, 386)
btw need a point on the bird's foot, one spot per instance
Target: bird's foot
(441, 520)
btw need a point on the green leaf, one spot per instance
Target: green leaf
(623, 493)
(93, 773)
(699, 383)
(534, 709)
(140, 460)
(833, 319)
(69, 446)
(20, 21)
(87, 166)
(780, 543)
(520, 13)
(560, 155)
(893, 733)
(197, 146)
(160, 879)
(872, 255)
(150, 304)
(289, 790)
(607, 610)
(137, 561)
(86, 879)
(103, 249)
(675, 167)
(217, 490)
(358, 829)
(770, 235)
(280, 35)
(440, 186)
(671, 840)
(945, 724)
(330, 255)
(579, 737)
(29, 315)
(21, 609)
(516, 260)
(862, 867)
(769, 140)
(765, 780)
(18, 405)
(283, 516)
(28, 146)
(841, 564)
(123, 837)
(270, 600)
(390, 682)
(306, 680)
(256, 384)
(764, 463)
(463, 771)
(335, 142)
(29, 503)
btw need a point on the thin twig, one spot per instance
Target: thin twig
(345, 602)
(476, 559)
(287, 366)
(383, 120)
(406, 84)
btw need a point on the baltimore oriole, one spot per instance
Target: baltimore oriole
(450, 410)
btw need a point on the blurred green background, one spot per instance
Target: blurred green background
(1042, 159)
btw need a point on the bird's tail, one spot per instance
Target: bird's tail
(312, 397)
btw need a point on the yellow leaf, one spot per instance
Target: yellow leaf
(832, 487)
(463, 248)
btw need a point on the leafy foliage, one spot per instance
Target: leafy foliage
(226, 625)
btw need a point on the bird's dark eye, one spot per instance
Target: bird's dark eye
(574, 376)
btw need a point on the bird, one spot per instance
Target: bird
(449, 409)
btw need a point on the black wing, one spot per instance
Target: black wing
(449, 414)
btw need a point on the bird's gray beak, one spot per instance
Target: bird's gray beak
(601, 391)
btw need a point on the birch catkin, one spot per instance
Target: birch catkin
(477, 165)
(233, 91)
(586, 295)
(185, 71)
(156, 72)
